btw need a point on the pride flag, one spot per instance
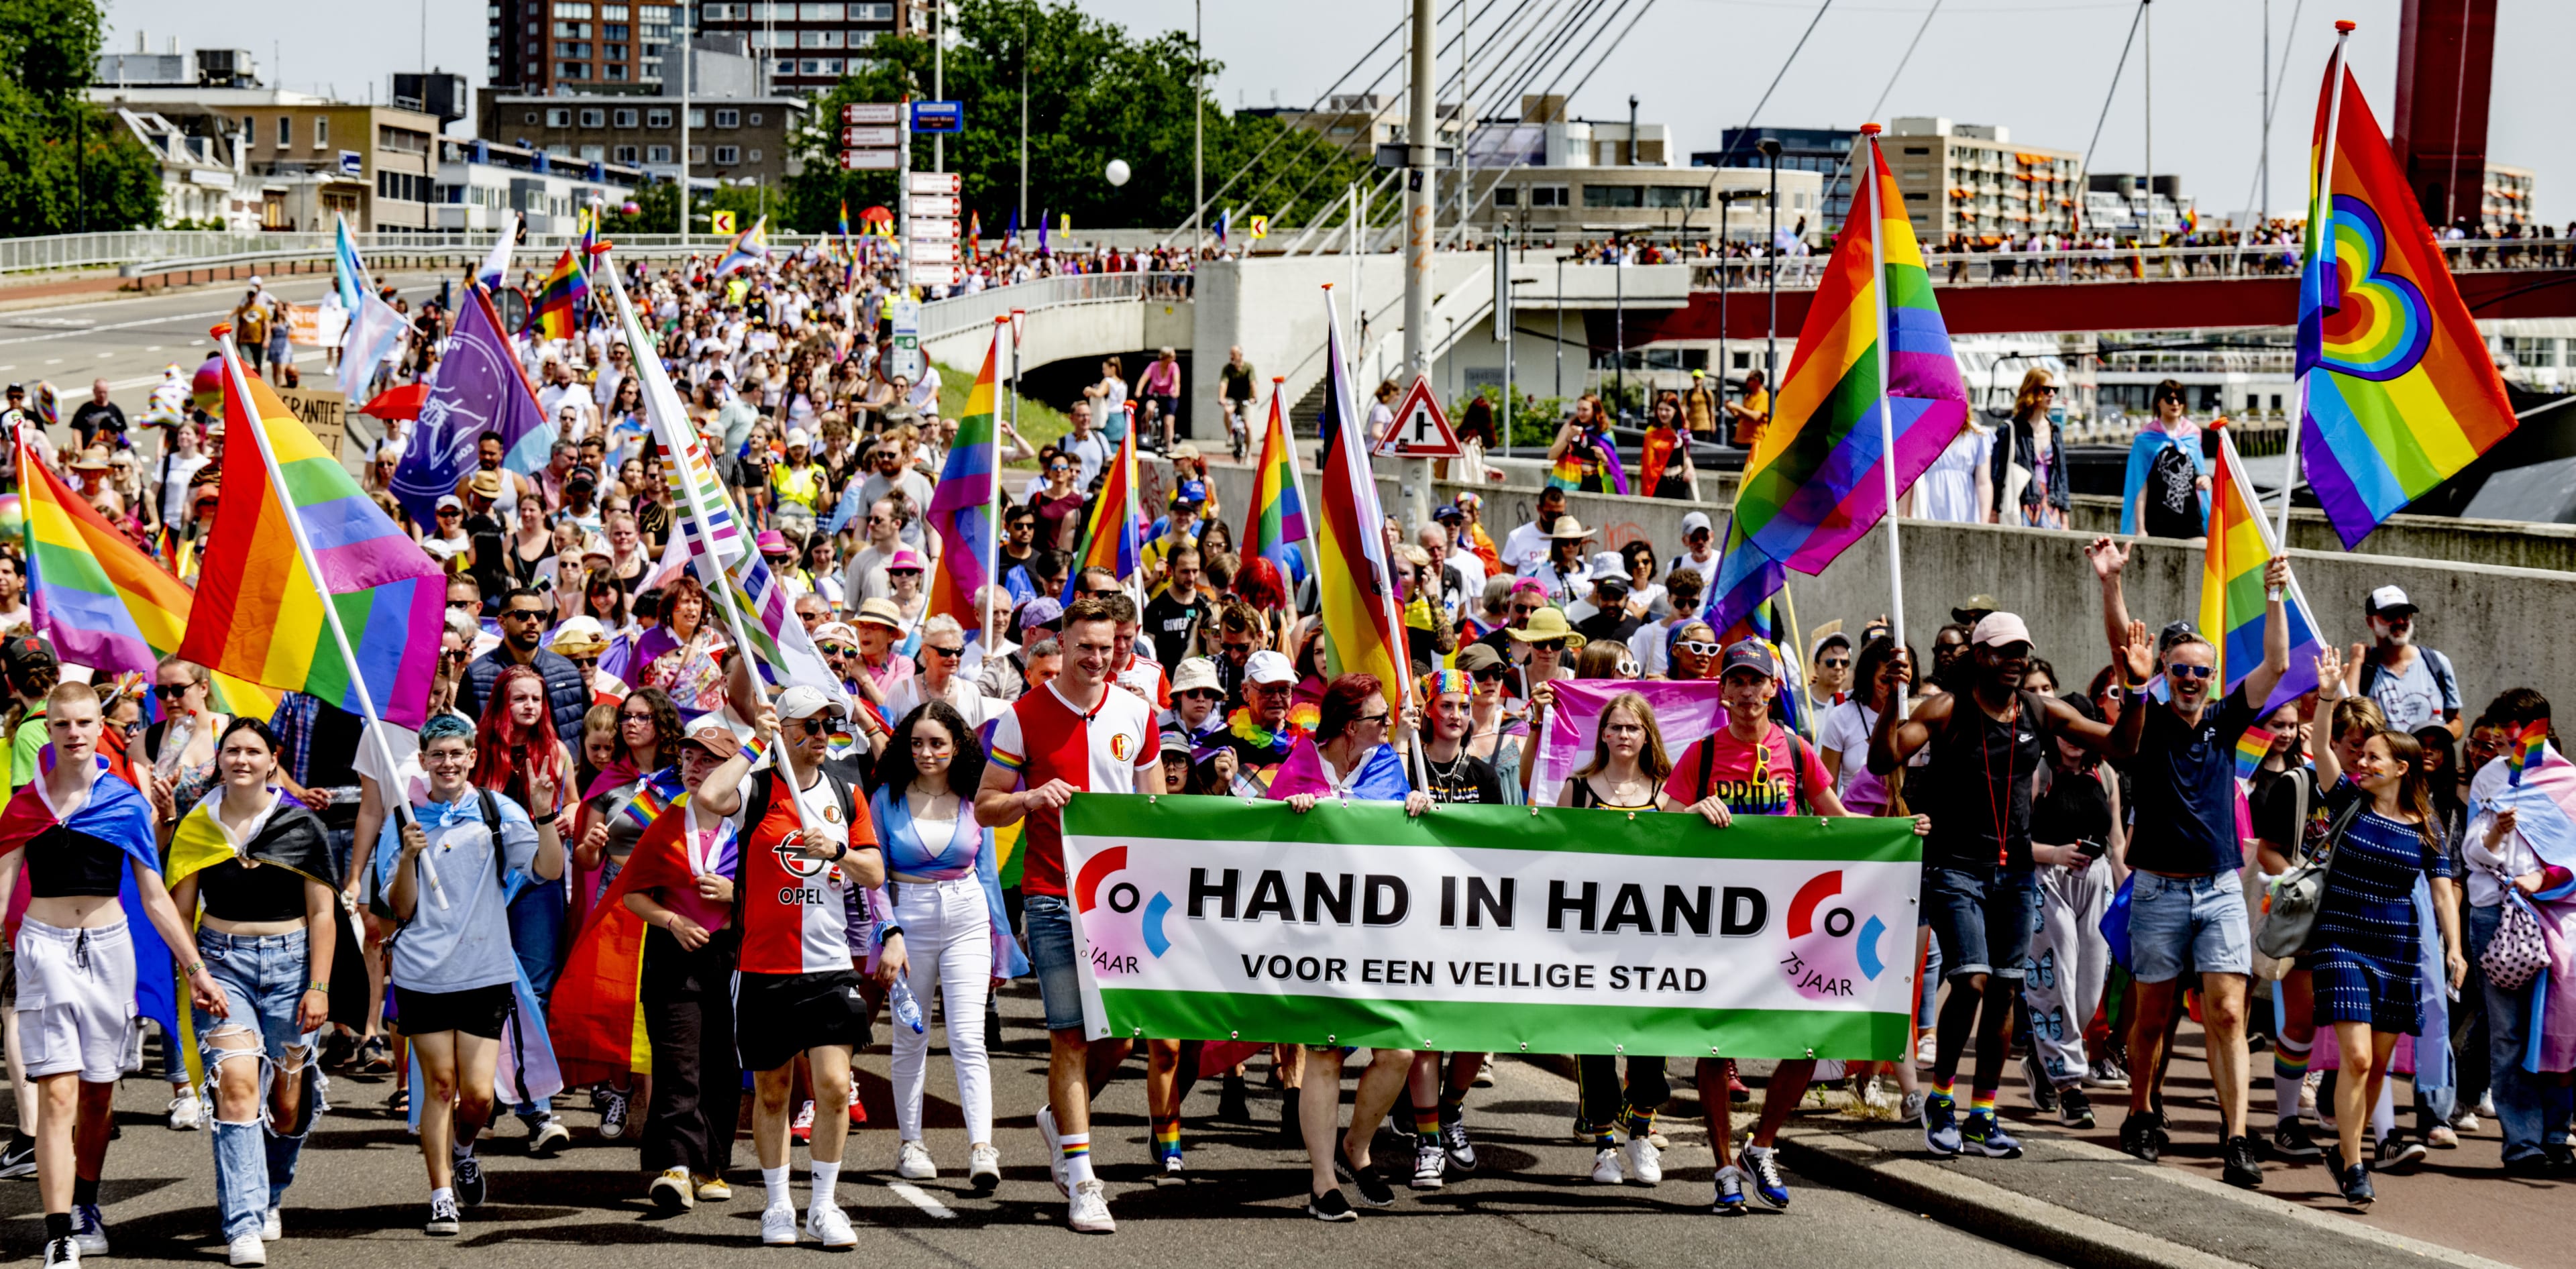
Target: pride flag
(102, 601)
(749, 248)
(557, 311)
(685, 463)
(961, 508)
(1362, 634)
(2399, 390)
(1739, 600)
(1812, 485)
(496, 266)
(259, 613)
(2232, 595)
(1276, 521)
(2525, 750)
(1109, 538)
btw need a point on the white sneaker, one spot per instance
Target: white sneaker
(1605, 1166)
(89, 1229)
(270, 1227)
(1645, 1163)
(912, 1162)
(1429, 1162)
(828, 1225)
(1054, 1144)
(1088, 1210)
(778, 1226)
(984, 1168)
(1927, 1049)
(186, 1112)
(246, 1250)
(62, 1252)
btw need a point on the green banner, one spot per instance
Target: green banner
(1505, 929)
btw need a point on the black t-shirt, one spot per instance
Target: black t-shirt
(2170, 504)
(1169, 622)
(2275, 801)
(2070, 807)
(92, 418)
(1466, 779)
(2185, 784)
(1613, 624)
(1977, 785)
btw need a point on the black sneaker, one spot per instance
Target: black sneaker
(19, 1159)
(2355, 1185)
(1374, 1191)
(2291, 1139)
(469, 1181)
(2074, 1109)
(2043, 1091)
(2240, 1167)
(2143, 1134)
(2397, 1153)
(1330, 1206)
(1232, 1106)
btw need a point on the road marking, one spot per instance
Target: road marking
(152, 348)
(58, 322)
(53, 361)
(920, 1198)
(146, 321)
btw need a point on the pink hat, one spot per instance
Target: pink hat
(905, 557)
(772, 542)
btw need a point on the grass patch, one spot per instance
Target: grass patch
(1039, 422)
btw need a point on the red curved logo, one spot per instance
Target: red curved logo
(1086, 886)
(1802, 910)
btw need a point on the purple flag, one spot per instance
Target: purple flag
(476, 388)
(1683, 713)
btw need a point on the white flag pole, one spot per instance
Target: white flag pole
(258, 429)
(993, 498)
(1886, 419)
(2320, 226)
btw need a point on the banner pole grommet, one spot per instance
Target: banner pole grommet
(1617, 1049)
(1524, 1046)
(1632, 817)
(1234, 1035)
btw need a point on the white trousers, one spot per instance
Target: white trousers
(948, 937)
(2069, 962)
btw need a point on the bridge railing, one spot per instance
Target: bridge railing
(2128, 264)
(979, 309)
(99, 250)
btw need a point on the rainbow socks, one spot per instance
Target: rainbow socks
(1167, 1137)
(1982, 1102)
(1641, 1120)
(1077, 1157)
(1941, 1088)
(2289, 1071)
(1426, 1123)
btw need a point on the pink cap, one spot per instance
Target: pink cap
(1996, 629)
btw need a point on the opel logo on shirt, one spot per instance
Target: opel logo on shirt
(791, 857)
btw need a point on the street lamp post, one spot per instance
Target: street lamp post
(1770, 147)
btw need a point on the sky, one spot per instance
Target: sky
(2039, 68)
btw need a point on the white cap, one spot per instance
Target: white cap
(1195, 674)
(797, 438)
(1267, 666)
(801, 701)
(2388, 597)
(1694, 522)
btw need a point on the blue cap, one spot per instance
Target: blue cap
(1191, 491)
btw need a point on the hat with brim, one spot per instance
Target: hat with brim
(91, 459)
(1569, 529)
(1977, 606)
(879, 611)
(1545, 625)
(485, 484)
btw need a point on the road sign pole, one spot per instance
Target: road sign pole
(902, 182)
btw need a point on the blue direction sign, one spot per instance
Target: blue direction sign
(938, 116)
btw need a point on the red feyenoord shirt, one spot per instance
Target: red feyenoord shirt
(801, 916)
(1044, 737)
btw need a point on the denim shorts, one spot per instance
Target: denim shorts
(2188, 923)
(1049, 921)
(1982, 919)
(263, 977)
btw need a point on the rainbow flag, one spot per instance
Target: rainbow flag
(558, 308)
(1276, 520)
(589, 220)
(2525, 750)
(2232, 595)
(259, 614)
(961, 508)
(2253, 745)
(102, 601)
(1362, 634)
(1812, 485)
(2399, 391)
(1740, 603)
(849, 258)
(1109, 539)
(749, 248)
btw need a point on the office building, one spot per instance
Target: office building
(1972, 182)
(1824, 151)
(545, 46)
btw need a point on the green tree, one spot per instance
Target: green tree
(64, 164)
(1096, 92)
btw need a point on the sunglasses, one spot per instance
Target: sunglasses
(1697, 647)
(171, 691)
(1494, 675)
(1835, 663)
(583, 663)
(1202, 694)
(2189, 671)
(522, 614)
(455, 656)
(2048, 390)
(1527, 611)
(958, 651)
(817, 724)
(839, 650)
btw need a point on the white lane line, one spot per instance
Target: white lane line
(152, 348)
(920, 1198)
(92, 330)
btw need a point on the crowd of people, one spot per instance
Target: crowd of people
(596, 745)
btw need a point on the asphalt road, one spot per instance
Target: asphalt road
(1531, 1203)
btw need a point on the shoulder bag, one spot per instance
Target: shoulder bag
(2301, 892)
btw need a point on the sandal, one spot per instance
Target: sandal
(400, 1102)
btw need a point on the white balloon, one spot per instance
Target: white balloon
(1118, 171)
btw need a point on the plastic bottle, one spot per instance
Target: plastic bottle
(906, 1009)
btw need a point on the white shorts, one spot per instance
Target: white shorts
(75, 1000)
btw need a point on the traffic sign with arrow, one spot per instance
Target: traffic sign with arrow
(1420, 430)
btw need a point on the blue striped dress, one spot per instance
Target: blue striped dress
(2364, 952)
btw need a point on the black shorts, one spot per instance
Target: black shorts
(778, 1016)
(477, 1011)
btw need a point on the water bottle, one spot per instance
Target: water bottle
(174, 744)
(906, 1009)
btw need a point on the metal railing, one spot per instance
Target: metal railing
(2128, 264)
(980, 309)
(173, 246)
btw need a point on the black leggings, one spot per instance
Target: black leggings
(1604, 1101)
(697, 1085)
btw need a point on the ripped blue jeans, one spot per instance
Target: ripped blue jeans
(263, 977)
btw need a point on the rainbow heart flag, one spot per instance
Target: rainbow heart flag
(2400, 391)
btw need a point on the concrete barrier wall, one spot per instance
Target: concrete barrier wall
(2502, 626)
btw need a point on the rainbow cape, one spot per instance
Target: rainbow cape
(1109, 537)
(2232, 596)
(1352, 574)
(594, 1018)
(750, 247)
(259, 613)
(961, 507)
(1813, 485)
(558, 308)
(102, 601)
(1276, 520)
(2398, 389)
(121, 818)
